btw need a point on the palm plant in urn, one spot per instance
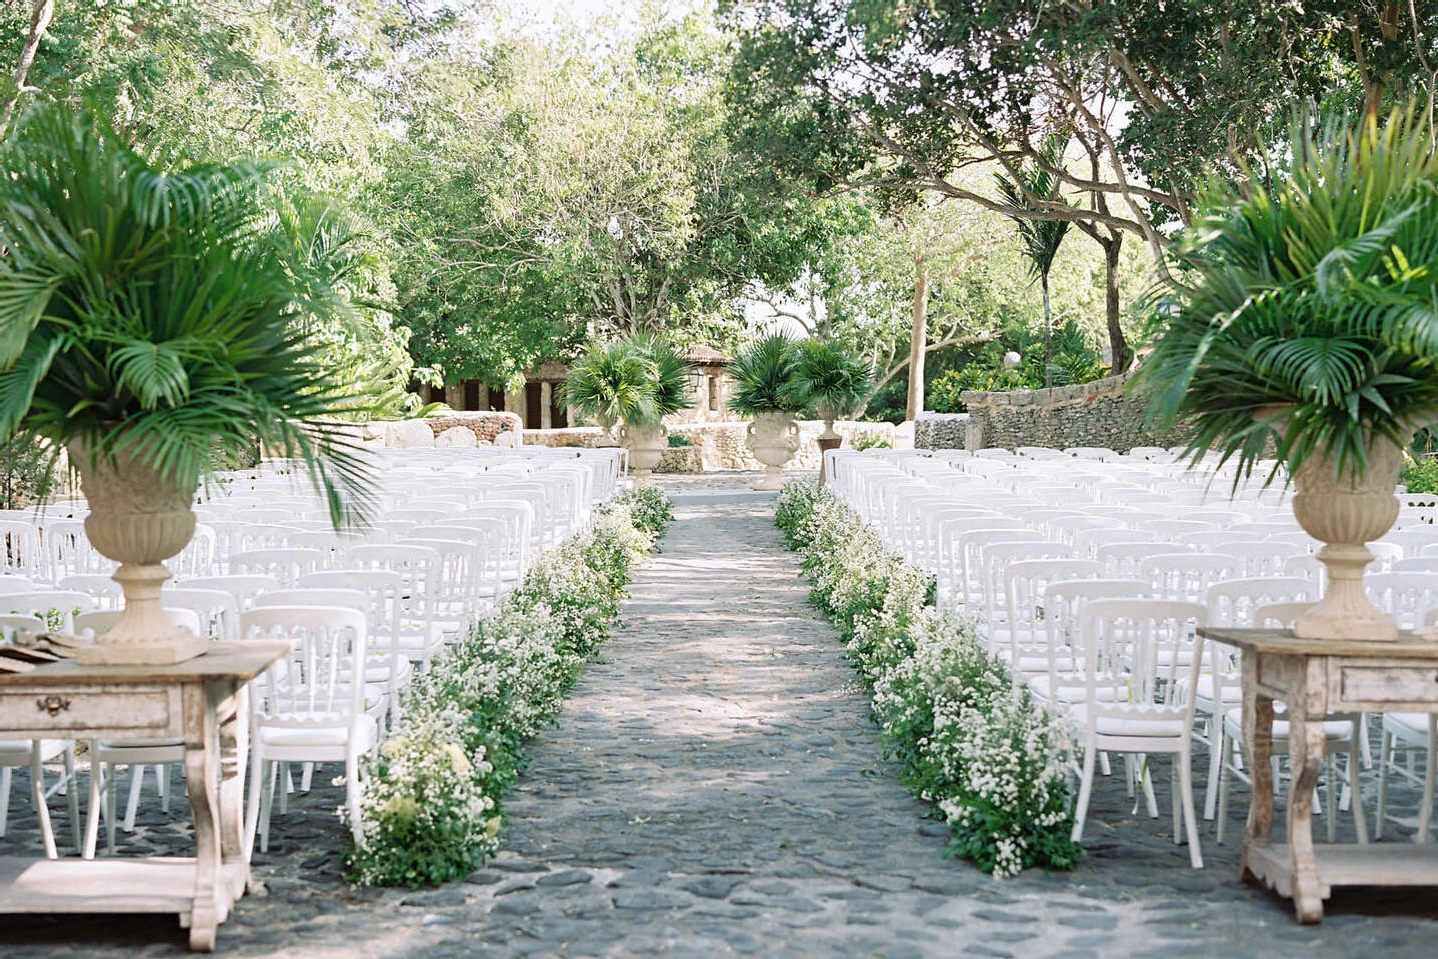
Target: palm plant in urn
(152, 325)
(635, 381)
(767, 388)
(833, 382)
(1302, 326)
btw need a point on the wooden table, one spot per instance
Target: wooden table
(1314, 678)
(203, 702)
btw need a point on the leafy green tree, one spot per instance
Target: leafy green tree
(1041, 237)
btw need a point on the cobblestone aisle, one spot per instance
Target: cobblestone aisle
(715, 788)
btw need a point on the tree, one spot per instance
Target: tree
(1041, 238)
(903, 98)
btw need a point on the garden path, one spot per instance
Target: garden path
(714, 788)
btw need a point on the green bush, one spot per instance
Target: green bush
(992, 760)
(431, 809)
(1421, 476)
(871, 441)
(678, 441)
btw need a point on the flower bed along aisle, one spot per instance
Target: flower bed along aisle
(431, 805)
(993, 761)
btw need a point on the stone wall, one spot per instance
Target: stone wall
(485, 424)
(1101, 413)
(940, 431)
(718, 446)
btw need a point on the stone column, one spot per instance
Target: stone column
(546, 397)
(514, 403)
(701, 405)
(483, 397)
(454, 395)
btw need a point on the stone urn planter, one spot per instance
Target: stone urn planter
(606, 438)
(646, 445)
(1345, 516)
(773, 439)
(139, 519)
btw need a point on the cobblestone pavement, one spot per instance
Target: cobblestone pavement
(714, 788)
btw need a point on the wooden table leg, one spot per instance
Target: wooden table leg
(234, 720)
(1258, 748)
(1306, 745)
(201, 778)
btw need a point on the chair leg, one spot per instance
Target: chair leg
(1104, 767)
(1332, 798)
(37, 793)
(132, 801)
(1185, 781)
(1215, 763)
(1173, 801)
(1425, 815)
(72, 794)
(162, 781)
(1145, 779)
(1355, 793)
(1085, 791)
(4, 800)
(252, 802)
(1364, 745)
(307, 777)
(266, 807)
(1384, 758)
(111, 784)
(1224, 771)
(97, 802)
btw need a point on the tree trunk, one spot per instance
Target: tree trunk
(39, 22)
(1118, 344)
(918, 338)
(1048, 333)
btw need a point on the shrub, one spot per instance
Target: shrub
(992, 760)
(430, 810)
(1421, 476)
(872, 441)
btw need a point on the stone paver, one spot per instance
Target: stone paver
(714, 788)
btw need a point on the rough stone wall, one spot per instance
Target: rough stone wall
(940, 431)
(485, 424)
(1101, 413)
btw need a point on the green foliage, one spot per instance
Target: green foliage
(27, 471)
(1305, 316)
(1421, 475)
(829, 378)
(993, 761)
(872, 441)
(161, 314)
(765, 375)
(678, 441)
(431, 807)
(635, 379)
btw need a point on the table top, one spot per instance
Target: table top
(1282, 642)
(240, 661)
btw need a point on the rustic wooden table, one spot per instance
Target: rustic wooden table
(1314, 678)
(203, 702)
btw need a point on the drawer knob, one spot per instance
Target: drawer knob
(52, 705)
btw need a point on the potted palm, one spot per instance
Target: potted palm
(607, 383)
(644, 434)
(832, 382)
(635, 381)
(152, 325)
(1303, 329)
(767, 388)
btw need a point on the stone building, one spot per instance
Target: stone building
(537, 405)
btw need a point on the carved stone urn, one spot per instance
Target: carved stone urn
(139, 519)
(606, 438)
(646, 445)
(773, 439)
(1345, 516)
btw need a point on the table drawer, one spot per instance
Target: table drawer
(1388, 684)
(88, 711)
